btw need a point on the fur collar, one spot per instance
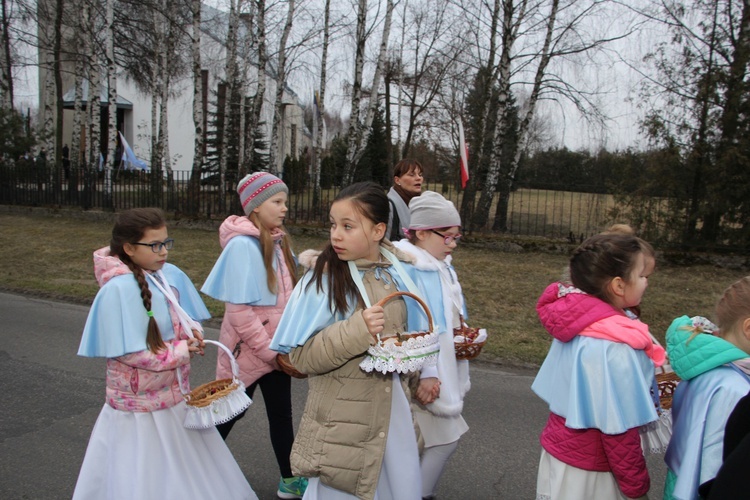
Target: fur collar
(421, 259)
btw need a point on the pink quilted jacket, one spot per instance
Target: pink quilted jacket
(591, 449)
(564, 317)
(248, 330)
(143, 381)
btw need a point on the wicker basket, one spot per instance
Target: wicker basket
(468, 349)
(667, 382)
(287, 367)
(410, 352)
(219, 401)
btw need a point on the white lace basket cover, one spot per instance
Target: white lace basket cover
(412, 352)
(228, 401)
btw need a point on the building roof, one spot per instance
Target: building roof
(69, 97)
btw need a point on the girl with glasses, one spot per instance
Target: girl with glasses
(433, 234)
(139, 446)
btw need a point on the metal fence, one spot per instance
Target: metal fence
(546, 213)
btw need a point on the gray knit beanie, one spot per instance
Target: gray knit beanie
(431, 211)
(256, 188)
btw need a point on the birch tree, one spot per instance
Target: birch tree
(154, 89)
(358, 129)
(81, 70)
(198, 103)
(230, 72)
(354, 138)
(6, 60)
(112, 103)
(487, 75)
(509, 37)
(320, 112)
(46, 15)
(378, 76)
(528, 65)
(278, 111)
(166, 56)
(260, 89)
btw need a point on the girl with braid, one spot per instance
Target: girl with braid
(598, 374)
(139, 447)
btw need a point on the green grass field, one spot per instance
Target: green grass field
(50, 255)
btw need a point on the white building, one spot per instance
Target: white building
(134, 106)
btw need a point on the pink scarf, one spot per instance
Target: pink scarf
(627, 331)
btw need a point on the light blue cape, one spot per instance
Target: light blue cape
(700, 409)
(239, 275)
(308, 312)
(117, 322)
(599, 384)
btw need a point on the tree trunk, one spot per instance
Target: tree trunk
(275, 155)
(501, 133)
(355, 128)
(719, 204)
(112, 101)
(257, 107)
(467, 202)
(164, 111)
(193, 204)
(81, 75)
(321, 111)
(523, 129)
(55, 155)
(481, 214)
(94, 123)
(399, 104)
(164, 142)
(230, 72)
(374, 93)
(6, 61)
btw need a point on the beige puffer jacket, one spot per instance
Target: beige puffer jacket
(344, 428)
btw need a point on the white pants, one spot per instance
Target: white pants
(434, 460)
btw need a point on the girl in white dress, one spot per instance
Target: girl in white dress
(139, 448)
(433, 234)
(357, 437)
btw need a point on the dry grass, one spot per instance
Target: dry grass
(50, 255)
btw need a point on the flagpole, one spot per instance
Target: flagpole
(463, 153)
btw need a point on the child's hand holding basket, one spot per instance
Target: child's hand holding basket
(403, 353)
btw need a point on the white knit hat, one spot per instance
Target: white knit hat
(430, 210)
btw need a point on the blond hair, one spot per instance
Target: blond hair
(733, 306)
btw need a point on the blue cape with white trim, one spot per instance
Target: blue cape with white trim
(117, 321)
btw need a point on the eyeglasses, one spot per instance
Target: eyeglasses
(447, 238)
(156, 247)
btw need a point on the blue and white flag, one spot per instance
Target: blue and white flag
(129, 160)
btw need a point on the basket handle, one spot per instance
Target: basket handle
(387, 298)
(233, 362)
(235, 367)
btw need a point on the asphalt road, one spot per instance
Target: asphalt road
(52, 397)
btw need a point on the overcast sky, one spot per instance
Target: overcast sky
(617, 81)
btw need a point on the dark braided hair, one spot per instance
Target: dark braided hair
(602, 258)
(130, 227)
